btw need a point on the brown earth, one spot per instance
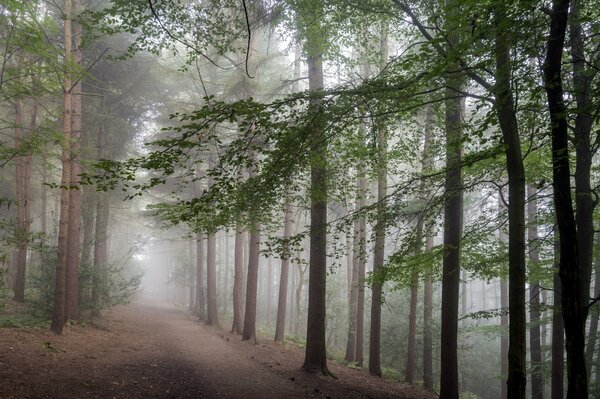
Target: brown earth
(154, 350)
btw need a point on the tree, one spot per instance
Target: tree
(572, 270)
(380, 228)
(453, 221)
(537, 385)
(507, 119)
(58, 316)
(285, 269)
(309, 17)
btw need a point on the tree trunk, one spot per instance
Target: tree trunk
(316, 355)
(269, 290)
(200, 278)
(504, 338)
(427, 167)
(537, 383)
(427, 323)
(212, 318)
(285, 268)
(238, 280)
(58, 314)
(21, 235)
(516, 207)
(360, 257)
(453, 220)
(593, 332)
(353, 300)
(74, 237)
(558, 332)
(573, 274)
(249, 331)
(380, 230)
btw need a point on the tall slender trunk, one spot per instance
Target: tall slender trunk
(558, 331)
(21, 235)
(249, 330)
(573, 263)
(73, 242)
(353, 298)
(200, 277)
(285, 268)
(590, 350)
(503, 337)
(380, 229)
(88, 219)
(453, 220)
(516, 206)
(212, 318)
(316, 355)
(58, 314)
(427, 323)
(360, 257)
(537, 383)
(238, 280)
(269, 290)
(427, 166)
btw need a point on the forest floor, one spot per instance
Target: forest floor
(155, 350)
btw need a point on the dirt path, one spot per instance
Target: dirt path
(156, 351)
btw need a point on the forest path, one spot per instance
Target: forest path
(154, 350)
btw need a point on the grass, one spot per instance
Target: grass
(19, 315)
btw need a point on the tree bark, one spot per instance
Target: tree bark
(74, 237)
(238, 280)
(21, 234)
(453, 220)
(380, 230)
(427, 166)
(200, 278)
(249, 331)
(593, 332)
(516, 207)
(285, 269)
(537, 383)
(58, 314)
(573, 274)
(315, 359)
(212, 318)
(558, 331)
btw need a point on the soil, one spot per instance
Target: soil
(155, 350)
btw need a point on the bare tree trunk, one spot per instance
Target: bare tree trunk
(574, 265)
(21, 235)
(593, 332)
(238, 280)
(380, 230)
(558, 332)
(427, 324)
(285, 268)
(453, 220)
(200, 278)
(516, 207)
(192, 281)
(504, 337)
(315, 359)
(269, 290)
(360, 257)
(537, 383)
(409, 372)
(353, 300)
(212, 318)
(58, 315)
(249, 331)
(73, 242)
(427, 166)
